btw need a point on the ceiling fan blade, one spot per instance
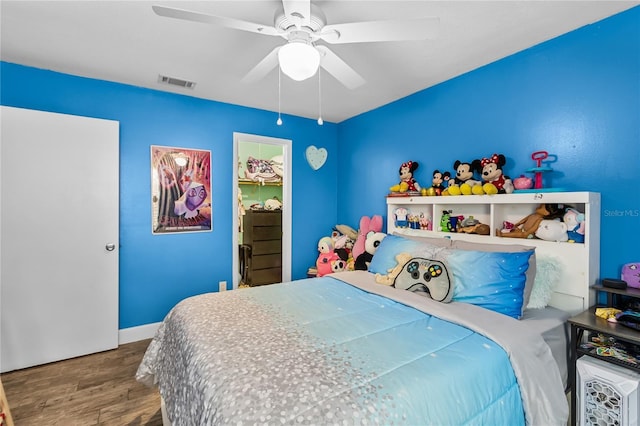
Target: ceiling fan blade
(263, 68)
(374, 31)
(339, 68)
(298, 11)
(237, 24)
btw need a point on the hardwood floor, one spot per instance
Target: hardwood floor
(98, 389)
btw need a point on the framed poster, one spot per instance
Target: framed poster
(180, 190)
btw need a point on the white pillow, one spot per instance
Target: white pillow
(547, 276)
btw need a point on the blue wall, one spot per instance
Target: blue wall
(576, 96)
(152, 268)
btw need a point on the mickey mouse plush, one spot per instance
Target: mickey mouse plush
(495, 182)
(464, 180)
(439, 182)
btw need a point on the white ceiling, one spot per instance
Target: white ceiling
(126, 42)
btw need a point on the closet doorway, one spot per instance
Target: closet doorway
(262, 179)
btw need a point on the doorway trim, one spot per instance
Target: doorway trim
(287, 145)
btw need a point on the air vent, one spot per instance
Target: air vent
(176, 82)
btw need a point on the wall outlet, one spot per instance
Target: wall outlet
(222, 286)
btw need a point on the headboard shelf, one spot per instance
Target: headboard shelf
(579, 262)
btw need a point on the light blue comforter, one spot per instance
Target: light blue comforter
(320, 351)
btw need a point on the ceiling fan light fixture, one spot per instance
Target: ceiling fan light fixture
(299, 60)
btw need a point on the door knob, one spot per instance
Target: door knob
(110, 247)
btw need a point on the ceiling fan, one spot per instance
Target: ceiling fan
(303, 25)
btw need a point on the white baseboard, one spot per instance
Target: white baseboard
(134, 334)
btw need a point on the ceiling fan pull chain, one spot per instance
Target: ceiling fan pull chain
(279, 121)
(320, 121)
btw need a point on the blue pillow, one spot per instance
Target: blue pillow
(492, 280)
(392, 245)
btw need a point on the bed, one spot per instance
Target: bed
(346, 349)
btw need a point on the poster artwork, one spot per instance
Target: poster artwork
(181, 190)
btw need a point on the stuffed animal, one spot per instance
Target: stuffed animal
(371, 245)
(402, 259)
(463, 182)
(552, 230)
(478, 228)
(348, 231)
(342, 246)
(495, 182)
(338, 266)
(439, 181)
(366, 225)
(556, 211)
(326, 257)
(472, 225)
(272, 204)
(527, 226)
(407, 180)
(341, 241)
(424, 222)
(575, 225)
(469, 221)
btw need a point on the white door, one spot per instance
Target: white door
(59, 237)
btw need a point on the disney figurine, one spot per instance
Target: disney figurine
(407, 181)
(440, 181)
(495, 182)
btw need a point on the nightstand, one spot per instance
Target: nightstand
(589, 322)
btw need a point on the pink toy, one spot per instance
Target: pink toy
(425, 222)
(366, 225)
(523, 182)
(538, 156)
(327, 256)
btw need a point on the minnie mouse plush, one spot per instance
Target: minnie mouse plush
(407, 182)
(495, 182)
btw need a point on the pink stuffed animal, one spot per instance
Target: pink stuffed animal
(327, 256)
(366, 225)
